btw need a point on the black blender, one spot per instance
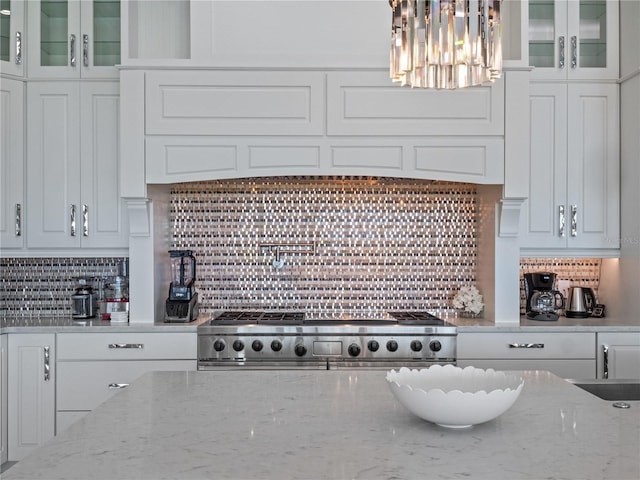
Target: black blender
(182, 304)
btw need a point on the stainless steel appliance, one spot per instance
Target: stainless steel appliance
(282, 340)
(542, 301)
(84, 301)
(581, 302)
(182, 303)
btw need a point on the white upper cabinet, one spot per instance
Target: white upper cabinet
(12, 163)
(73, 38)
(574, 39)
(574, 186)
(12, 37)
(73, 166)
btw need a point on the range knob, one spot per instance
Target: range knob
(300, 350)
(435, 346)
(276, 345)
(256, 345)
(373, 345)
(238, 345)
(219, 345)
(416, 345)
(354, 349)
(392, 345)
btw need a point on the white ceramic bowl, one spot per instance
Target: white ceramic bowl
(455, 397)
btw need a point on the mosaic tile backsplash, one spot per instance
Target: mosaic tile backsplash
(355, 244)
(327, 245)
(37, 286)
(579, 272)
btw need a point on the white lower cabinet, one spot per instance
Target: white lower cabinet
(4, 398)
(31, 389)
(92, 367)
(619, 355)
(568, 355)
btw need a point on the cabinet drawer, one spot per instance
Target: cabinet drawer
(85, 385)
(526, 345)
(572, 368)
(127, 346)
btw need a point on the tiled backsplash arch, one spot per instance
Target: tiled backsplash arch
(379, 243)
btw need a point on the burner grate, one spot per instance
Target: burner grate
(411, 317)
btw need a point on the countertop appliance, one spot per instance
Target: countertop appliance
(284, 340)
(84, 301)
(542, 301)
(581, 302)
(182, 303)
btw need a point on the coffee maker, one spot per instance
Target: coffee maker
(542, 301)
(84, 301)
(182, 303)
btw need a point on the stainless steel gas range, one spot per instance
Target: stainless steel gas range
(283, 340)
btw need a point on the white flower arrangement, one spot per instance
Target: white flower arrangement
(468, 299)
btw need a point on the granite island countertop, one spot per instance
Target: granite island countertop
(336, 424)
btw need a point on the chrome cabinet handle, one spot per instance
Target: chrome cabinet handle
(73, 220)
(18, 48)
(126, 345)
(561, 53)
(574, 220)
(85, 50)
(574, 52)
(47, 364)
(561, 220)
(85, 220)
(118, 386)
(18, 220)
(605, 361)
(526, 345)
(72, 50)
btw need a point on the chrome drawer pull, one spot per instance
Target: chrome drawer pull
(85, 50)
(72, 50)
(118, 386)
(18, 48)
(526, 345)
(18, 220)
(47, 364)
(126, 345)
(72, 212)
(85, 220)
(605, 361)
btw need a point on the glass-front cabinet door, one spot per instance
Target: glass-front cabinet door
(74, 38)
(573, 39)
(12, 37)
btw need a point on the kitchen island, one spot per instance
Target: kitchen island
(332, 424)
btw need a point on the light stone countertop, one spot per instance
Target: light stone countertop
(64, 324)
(336, 424)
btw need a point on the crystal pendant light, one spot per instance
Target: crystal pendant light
(445, 44)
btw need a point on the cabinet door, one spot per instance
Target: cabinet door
(100, 38)
(74, 38)
(4, 398)
(548, 42)
(102, 210)
(593, 39)
(12, 37)
(54, 44)
(546, 206)
(53, 165)
(619, 355)
(12, 163)
(593, 161)
(574, 39)
(31, 387)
